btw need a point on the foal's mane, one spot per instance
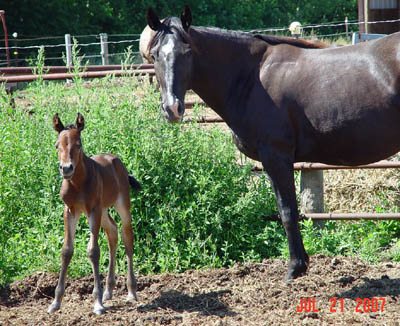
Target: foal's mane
(70, 127)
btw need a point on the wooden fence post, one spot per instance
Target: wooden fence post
(312, 193)
(104, 48)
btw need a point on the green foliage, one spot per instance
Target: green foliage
(82, 17)
(364, 239)
(197, 208)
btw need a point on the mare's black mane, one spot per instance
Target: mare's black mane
(171, 23)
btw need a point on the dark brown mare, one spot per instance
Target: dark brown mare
(91, 186)
(284, 100)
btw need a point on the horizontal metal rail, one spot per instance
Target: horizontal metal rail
(210, 119)
(341, 216)
(14, 71)
(89, 74)
(320, 166)
(353, 216)
(384, 164)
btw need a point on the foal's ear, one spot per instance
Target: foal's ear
(57, 124)
(80, 122)
(152, 19)
(186, 17)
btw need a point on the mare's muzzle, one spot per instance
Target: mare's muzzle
(173, 111)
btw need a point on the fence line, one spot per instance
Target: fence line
(308, 177)
(63, 45)
(311, 26)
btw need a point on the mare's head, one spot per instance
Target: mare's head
(69, 145)
(172, 56)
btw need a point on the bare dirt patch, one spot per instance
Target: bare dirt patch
(246, 294)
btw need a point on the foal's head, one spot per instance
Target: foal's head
(172, 56)
(69, 146)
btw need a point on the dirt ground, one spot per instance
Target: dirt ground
(246, 294)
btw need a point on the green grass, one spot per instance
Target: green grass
(197, 209)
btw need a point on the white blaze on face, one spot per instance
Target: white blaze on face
(168, 48)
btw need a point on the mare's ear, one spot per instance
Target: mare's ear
(80, 122)
(186, 17)
(152, 19)
(57, 124)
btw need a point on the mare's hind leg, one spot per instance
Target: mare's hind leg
(111, 229)
(280, 170)
(70, 223)
(123, 207)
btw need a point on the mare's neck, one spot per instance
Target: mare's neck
(222, 61)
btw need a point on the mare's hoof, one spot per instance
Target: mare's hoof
(296, 269)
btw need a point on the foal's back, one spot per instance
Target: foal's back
(114, 179)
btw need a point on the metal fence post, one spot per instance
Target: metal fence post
(68, 53)
(104, 48)
(68, 49)
(312, 193)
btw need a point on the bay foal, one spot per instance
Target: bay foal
(91, 186)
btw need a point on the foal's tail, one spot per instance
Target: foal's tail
(135, 185)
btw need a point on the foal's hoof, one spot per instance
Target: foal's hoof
(99, 311)
(131, 297)
(53, 307)
(107, 296)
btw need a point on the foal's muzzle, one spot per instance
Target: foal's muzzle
(67, 170)
(173, 112)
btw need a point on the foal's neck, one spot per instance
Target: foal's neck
(81, 171)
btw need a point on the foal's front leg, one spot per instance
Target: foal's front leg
(94, 220)
(70, 223)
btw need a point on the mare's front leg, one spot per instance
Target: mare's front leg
(280, 170)
(70, 223)
(94, 220)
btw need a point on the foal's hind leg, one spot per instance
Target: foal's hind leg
(94, 220)
(123, 207)
(111, 229)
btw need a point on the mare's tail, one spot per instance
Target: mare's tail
(135, 185)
